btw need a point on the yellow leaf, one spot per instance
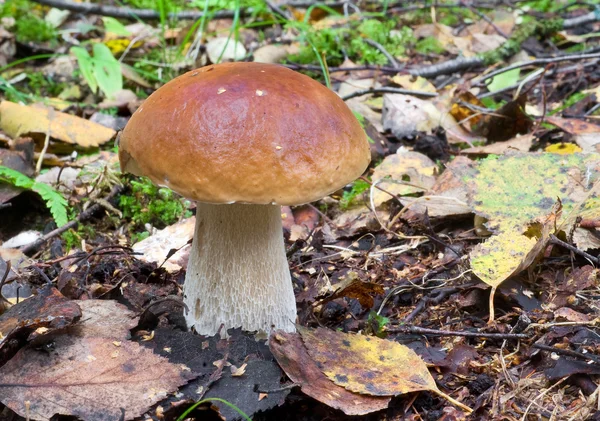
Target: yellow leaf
(415, 83)
(369, 365)
(20, 120)
(563, 148)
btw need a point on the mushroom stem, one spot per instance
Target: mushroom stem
(238, 273)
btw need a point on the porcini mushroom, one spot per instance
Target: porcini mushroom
(242, 139)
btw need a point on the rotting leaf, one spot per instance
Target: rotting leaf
(104, 319)
(20, 120)
(48, 310)
(353, 287)
(95, 379)
(370, 365)
(292, 356)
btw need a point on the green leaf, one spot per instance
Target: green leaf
(85, 65)
(115, 27)
(107, 70)
(504, 80)
(15, 178)
(55, 202)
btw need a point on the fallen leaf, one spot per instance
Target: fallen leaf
(49, 309)
(586, 135)
(402, 173)
(369, 365)
(89, 378)
(520, 143)
(104, 319)
(292, 356)
(563, 148)
(272, 53)
(223, 49)
(157, 247)
(20, 120)
(416, 83)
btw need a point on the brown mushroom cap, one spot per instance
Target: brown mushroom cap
(245, 133)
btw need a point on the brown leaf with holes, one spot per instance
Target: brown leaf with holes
(47, 311)
(292, 356)
(96, 379)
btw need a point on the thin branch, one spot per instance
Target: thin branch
(580, 20)
(86, 214)
(426, 331)
(383, 51)
(389, 91)
(446, 67)
(538, 61)
(312, 67)
(131, 13)
(559, 242)
(568, 352)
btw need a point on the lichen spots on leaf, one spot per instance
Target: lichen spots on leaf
(367, 365)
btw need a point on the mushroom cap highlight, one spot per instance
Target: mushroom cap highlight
(245, 133)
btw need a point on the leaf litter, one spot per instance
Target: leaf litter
(370, 269)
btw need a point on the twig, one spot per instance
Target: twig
(426, 331)
(485, 18)
(580, 20)
(440, 295)
(535, 62)
(383, 51)
(389, 91)
(86, 214)
(277, 9)
(312, 67)
(38, 165)
(567, 352)
(131, 13)
(446, 67)
(559, 242)
(4, 278)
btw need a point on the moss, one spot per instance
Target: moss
(29, 23)
(358, 188)
(335, 41)
(429, 45)
(147, 203)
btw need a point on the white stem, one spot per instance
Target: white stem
(238, 273)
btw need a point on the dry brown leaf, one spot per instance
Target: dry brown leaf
(586, 135)
(292, 356)
(20, 120)
(90, 378)
(520, 143)
(104, 319)
(48, 309)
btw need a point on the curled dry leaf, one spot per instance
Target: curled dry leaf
(292, 356)
(48, 309)
(20, 120)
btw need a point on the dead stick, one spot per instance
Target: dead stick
(86, 214)
(426, 331)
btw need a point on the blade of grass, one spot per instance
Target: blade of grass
(234, 29)
(232, 406)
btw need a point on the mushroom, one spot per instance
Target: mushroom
(242, 139)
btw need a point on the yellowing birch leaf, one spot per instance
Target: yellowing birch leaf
(369, 365)
(20, 120)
